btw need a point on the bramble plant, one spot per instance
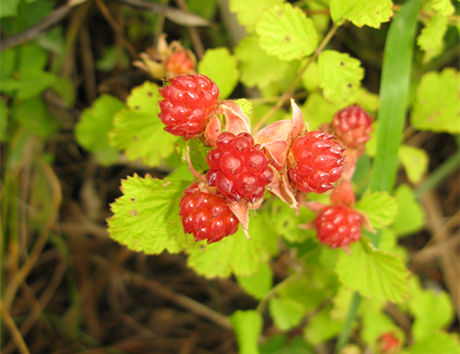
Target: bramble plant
(311, 175)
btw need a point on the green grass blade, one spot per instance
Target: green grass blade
(394, 88)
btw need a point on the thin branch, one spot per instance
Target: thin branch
(37, 30)
(17, 337)
(115, 26)
(194, 35)
(159, 289)
(25, 269)
(287, 95)
(180, 17)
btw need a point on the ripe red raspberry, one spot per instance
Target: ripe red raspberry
(238, 168)
(316, 162)
(338, 226)
(206, 215)
(353, 126)
(179, 63)
(188, 103)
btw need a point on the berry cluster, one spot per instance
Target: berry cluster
(281, 158)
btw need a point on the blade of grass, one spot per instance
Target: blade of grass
(394, 88)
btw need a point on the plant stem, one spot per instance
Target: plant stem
(438, 175)
(349, 321)
(287, 95)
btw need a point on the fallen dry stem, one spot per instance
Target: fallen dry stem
(159, 289)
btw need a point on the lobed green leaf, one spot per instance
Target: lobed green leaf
(235, 253)
(340, 76)
(437, 106)
(380, 208)
(138, 130)
(146, 217)
(248, 12)
(93, 128)
(286, 32)
(370, 13)
(248, 327)
(220, 66)
(255, 65)
(373, 273)
(415, 162)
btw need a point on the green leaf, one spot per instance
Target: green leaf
(411, 217)
(29, 84)
(258, 284)
(9, 8)
(374, 323)
(219, 65)
(394, 89)
(94, 125)
(430, 39)
(35, 117)
(441, 7)
(248, 12)
(285, 31)
(286, 313)
(316, 110)
(367, 100)
(311, 77)
(246, 105)
(113, 56)
(370, 13)
(277, 344)
(306, 292)
(235, 253)
(3, 120)
(415, 162)
(144, 98)
(439, 342)
(203, 8)
(431, 311)
(248, 327)
(286, 222)
(437, 106)
(146, 217)
(341, 76)
(373, 273)
(138, 130)
(256, 66)
(322, 326)
(380, 208)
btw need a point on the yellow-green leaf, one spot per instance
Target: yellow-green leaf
(373, 273)
(286, 32)
(146, 217)
(340, 76)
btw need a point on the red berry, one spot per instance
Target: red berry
(389, 343)
(188, 103)
(206, 215)
(316, 162)
(338, 226)
(353, 126)
(238, 168)
(179, 63)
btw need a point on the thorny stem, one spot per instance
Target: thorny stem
(287, 95)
